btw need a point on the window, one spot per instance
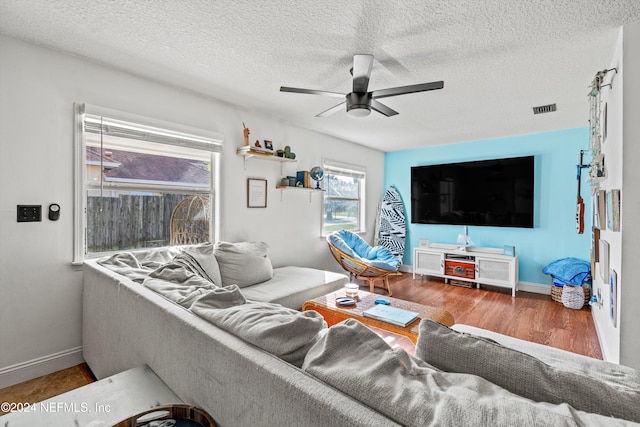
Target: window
(343, 207)
(140, 186)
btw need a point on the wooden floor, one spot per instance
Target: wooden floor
(41, 388)
(532, 317)
(528, 316)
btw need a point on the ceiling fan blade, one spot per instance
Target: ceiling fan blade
(332, 110)
(311, 92)
(402, 90)
(362, 65)
(382, 109)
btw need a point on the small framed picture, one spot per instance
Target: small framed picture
(604, 122)
(256, 193)
(613, 297)
(615, 209)
(604, 260)
(268, 145)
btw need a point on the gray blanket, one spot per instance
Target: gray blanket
(281, 331)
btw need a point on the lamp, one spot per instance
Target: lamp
(359, 112)
(358, 104)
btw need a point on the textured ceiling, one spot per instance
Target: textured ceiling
(497, 59)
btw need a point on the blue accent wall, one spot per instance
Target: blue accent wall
(554, 233)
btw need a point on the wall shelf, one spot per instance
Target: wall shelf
(284, 188)
(269, 157)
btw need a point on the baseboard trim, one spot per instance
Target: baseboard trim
(606, 356)
(536, 288)
(44, 365)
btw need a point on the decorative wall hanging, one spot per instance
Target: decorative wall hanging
(613, 297)
(597, 127)
(602, 209)
(256, 193)
(604, 260)
(614, 209)
(595, 246)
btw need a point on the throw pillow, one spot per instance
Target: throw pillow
(356, 361)
(206, 260)
(244, 263)
(281, 331)
(523, 374)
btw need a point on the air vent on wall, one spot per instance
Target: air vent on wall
(544, 109)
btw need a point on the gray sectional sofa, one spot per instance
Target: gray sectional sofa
(341, 376)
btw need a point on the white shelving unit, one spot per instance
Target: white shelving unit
(488, 266)
(271, 158)
(283, 188)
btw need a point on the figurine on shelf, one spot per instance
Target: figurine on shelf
(246, 134)
(257, 144)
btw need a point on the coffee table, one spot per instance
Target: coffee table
(333, 313)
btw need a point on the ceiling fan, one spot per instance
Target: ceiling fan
(359, 102)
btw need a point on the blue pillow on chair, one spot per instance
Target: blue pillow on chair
(355, 246)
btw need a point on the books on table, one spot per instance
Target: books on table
(394, 315)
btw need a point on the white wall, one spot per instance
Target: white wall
(621, 343)
(630, 291)
(40, 292)
(609, 334)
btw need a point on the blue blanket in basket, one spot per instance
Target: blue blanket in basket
(569, 270)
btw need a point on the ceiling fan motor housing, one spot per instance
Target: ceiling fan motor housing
(358, 101)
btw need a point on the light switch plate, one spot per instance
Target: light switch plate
(29, 213)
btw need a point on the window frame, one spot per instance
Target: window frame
(332, 167)
(176, 136)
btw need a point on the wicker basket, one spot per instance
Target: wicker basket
(557, 293)
(573, 296)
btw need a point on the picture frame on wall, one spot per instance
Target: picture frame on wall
(602, 209)
(595, 245)
(604, 122)
(256, 193)
(613, 297)
(604, 260)
(609, 210)
(615, 209)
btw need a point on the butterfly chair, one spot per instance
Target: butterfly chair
(361, 260)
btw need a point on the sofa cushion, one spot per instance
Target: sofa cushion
(281, 331)
(356, 361)
(523, 374)
(244, 263)
(205, 258)
(292, 286)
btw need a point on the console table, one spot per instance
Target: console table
(488, 266)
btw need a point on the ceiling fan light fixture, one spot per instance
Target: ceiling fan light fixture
(359, 111)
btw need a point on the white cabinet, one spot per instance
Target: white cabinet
(486, 266)
(428, 263)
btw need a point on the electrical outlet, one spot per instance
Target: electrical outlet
(29, 213)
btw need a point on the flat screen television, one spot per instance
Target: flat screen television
(496, 192)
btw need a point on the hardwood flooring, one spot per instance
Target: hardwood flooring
(532, 317)
(41, 388)
(528, 316)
